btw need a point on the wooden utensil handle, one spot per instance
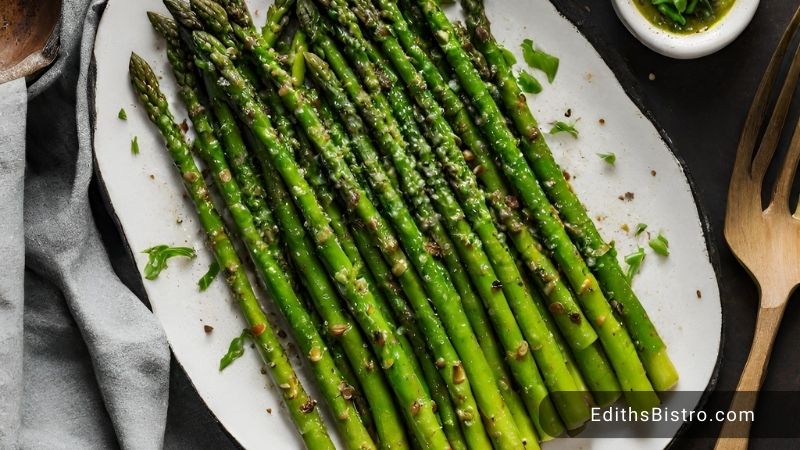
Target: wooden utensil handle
(767, 324)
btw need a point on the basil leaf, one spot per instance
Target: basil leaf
(640, 229)
(235, 350)
(528, 83)
(564, 127)
(538, 59)
(660, 245)
(634, 262)
(158, 256)
(209, 277)
(609, 158)
(135, 145)
(671, 13)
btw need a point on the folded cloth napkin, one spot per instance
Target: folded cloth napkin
(83, 362)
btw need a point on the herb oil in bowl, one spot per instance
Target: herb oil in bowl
(684, 16)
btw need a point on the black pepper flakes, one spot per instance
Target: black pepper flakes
(556, 308)
(308, 406)
(575, 317)
(497, 285)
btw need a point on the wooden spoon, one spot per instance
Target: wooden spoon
(28, 36)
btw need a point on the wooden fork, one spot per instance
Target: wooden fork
(765, 241)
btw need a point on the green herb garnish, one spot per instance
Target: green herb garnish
(564, 127)
(678, 10)
(158, 256)
(660, 245)
(609, 158)
(528, 83)
(640, 229)
(508, 56)
(122, 115)
(538, 59)
(235, 350)
(634, 262)
(209, 277)
(135, 145)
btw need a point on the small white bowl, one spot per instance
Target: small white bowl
(687, 46)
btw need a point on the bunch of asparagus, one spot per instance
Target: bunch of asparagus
(407, 217)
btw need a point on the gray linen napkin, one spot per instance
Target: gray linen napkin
(84, 363)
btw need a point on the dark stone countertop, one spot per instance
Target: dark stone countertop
(701, 105)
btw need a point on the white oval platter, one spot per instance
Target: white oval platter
(680, 292)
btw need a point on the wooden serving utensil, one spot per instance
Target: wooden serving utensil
(28, 37)
(765, 241)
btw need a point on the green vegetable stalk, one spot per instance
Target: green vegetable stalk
(307, 418)
(396, 363)
(615, 339)
(328, 377)
(649, 345)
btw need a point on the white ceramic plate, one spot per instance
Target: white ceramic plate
(147, 199)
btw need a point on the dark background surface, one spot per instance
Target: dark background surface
(701, 105)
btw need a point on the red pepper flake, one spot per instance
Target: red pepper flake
(208, 328)
(184, 126)
(258, 329)
(567, 175)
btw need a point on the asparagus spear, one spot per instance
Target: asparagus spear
(615, 338)
(649, 344)
(322, 292)
(340, 327)
(476, 261)
(277, 17)
(272, 274)
(442, 292)
(579, 333)
(593, 364)
(367, 153)
(416, 404)
(429, 220)
(360, 243)
(389, 297)
(351, 388)
(477, 58)
(252, 191)
(573, 411)
(300, 405)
